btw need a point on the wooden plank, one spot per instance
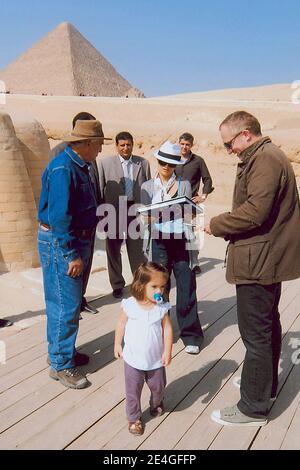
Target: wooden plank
(59, 404)
(52, 423)
(18, 392)
(291, 440)
(205, 434)
(35, 335)
(30, 395)
(169, 432)
(117, 385)
(241, 438)
(51, 434)
(187, 411)
(106, 323)
(272, 436)
(185, 371)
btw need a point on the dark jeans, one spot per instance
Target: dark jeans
(174, 256)
(260, 328)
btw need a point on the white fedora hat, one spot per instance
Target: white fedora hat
(170, 153)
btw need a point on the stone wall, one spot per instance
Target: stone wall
(24, 153)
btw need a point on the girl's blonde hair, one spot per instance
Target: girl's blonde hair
(143, 275)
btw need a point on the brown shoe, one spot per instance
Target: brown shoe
(158, 411)
(70, 378)
(4, 323)
(136, 428)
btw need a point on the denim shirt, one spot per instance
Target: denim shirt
(68, 201)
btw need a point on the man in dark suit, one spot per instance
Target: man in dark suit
(121, 178)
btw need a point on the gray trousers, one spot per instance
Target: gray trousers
(134, 382)
(114, 259)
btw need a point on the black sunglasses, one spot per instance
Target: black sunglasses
(228, 145)
(165, 164)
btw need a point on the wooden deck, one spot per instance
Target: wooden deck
(39, 413)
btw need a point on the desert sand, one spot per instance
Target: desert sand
(154, 120)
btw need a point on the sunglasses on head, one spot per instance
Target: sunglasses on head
(228, 145)
(165, 164)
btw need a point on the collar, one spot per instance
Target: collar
(75, 157)
(165, 184)
(250, 151)
(122, 160)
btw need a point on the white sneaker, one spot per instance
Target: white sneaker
(237, 383)
(232, 416)
(191, 349)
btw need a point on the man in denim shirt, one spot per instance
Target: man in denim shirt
(67, 216)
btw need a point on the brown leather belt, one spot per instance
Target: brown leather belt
(45, 227)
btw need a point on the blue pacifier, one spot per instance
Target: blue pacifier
(158, 298)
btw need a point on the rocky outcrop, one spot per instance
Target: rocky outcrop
(23, 155)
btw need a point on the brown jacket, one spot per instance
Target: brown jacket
(264, 225)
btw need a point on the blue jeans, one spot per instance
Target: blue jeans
(63, 298)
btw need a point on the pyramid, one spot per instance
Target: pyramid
(64, 63)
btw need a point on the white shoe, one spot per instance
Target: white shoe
(191, 349)
(232, 416)
(237, 383)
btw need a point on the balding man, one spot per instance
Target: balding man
(264, 250)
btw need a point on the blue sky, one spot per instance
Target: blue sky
(170, 46)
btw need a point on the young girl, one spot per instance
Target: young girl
(145, 323)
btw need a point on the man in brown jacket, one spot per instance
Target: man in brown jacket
(264, 250)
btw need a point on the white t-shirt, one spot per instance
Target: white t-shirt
(143, 338)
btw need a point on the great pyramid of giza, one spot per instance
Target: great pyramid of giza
(64, 63)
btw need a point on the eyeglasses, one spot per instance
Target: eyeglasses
(166, 164)
(228, 145)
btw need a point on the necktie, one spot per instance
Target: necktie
(128, 180)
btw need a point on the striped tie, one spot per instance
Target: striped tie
(128, 180)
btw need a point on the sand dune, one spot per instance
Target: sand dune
(278, 93)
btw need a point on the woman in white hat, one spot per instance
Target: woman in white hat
(167, 241)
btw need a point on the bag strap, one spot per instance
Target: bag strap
(173, 189)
